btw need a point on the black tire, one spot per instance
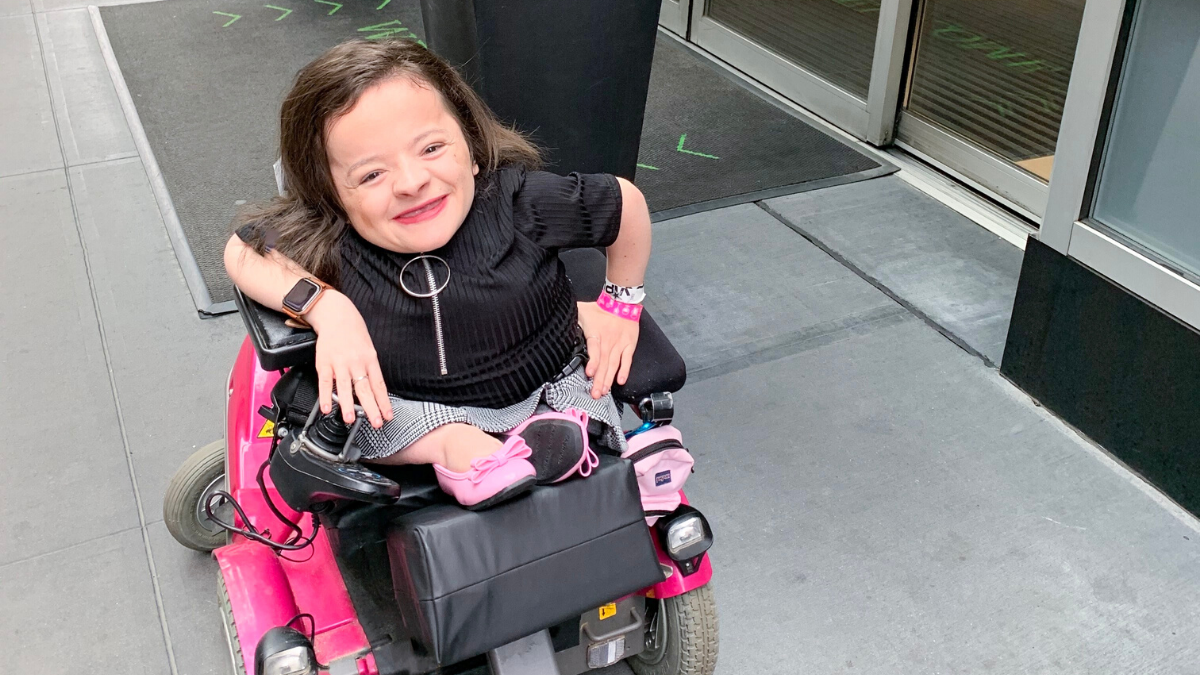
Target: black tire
(231, 634)
(681, 635)
(183, 509)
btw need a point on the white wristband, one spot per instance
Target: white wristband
(633, 295)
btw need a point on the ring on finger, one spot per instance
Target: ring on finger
(359, 379)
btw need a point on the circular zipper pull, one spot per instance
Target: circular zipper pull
(421, 294)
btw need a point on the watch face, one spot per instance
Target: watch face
(300, 295)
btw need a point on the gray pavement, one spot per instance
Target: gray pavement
(884, 502)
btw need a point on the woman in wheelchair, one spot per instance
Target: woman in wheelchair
(420, 242)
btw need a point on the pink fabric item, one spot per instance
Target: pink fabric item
(622, 309)
(662, 465)
(489, 475)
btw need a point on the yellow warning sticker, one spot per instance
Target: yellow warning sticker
(608, 610)
(268, 430)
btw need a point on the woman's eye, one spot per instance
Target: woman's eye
(370, 177)
(433, 148)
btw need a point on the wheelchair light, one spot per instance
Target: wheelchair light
(685, 535)
(606, 653)
(294, 661)
(284, 651)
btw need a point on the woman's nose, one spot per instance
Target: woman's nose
(409, 179)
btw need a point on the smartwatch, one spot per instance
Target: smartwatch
(303, 296)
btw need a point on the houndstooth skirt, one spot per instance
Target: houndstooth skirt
(413, 419)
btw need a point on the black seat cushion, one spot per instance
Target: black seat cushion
(466, 582)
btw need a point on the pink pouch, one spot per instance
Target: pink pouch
(662, 465)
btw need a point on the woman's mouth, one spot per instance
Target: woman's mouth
(429, 209)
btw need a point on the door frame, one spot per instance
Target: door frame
(674, 16)
(871, 120)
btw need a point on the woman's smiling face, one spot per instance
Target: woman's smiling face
(402, 167)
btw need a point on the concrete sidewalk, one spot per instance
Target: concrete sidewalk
(883, 501)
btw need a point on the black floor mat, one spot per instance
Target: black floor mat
(207, 77)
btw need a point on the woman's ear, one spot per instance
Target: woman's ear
(474, 168)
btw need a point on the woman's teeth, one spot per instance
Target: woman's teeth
(423, 209)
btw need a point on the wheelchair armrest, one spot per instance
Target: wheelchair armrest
(657, 366)
(278, 345)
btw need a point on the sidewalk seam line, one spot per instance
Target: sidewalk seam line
(944, 331)
(77, 544)
(124, 157)
(112, 382)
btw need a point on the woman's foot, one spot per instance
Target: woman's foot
(559, 441)
(495, 478)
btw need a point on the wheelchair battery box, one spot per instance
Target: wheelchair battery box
(467, 582)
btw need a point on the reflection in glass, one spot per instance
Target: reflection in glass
(995, 73)
(1149, 185)
(834, 39)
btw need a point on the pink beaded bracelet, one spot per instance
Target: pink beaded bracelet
(621, 309)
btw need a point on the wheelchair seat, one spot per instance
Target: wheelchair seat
(656, 368)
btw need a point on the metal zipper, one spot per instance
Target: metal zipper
(437, 316)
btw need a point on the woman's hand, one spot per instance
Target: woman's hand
(346, 359)
(610, 343)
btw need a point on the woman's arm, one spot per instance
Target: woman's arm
(345, 353)
(266, 279)
(611, 340)
(630, 253)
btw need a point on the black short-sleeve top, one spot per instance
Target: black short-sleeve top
(507, 312)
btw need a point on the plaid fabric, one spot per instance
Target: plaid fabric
(413, 419)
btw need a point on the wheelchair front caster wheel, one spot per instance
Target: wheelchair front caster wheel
(681, 635)
(190, 487)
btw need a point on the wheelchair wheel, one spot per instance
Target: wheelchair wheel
(231, 634)
(190, 487)
(681, 635)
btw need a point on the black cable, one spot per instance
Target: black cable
(312, 549)
(312, 635)
(312, 624)
(294, 542)
(298, 534)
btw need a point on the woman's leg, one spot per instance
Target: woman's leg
(452, 446)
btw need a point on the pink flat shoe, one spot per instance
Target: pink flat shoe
(559, 441)
(500, 476)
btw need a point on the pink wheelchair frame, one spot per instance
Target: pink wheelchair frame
(267, 590)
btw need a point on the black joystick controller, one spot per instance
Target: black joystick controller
(330, 434)
(320, 465)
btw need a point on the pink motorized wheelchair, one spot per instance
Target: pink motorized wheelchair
(329, 565)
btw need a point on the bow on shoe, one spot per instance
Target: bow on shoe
(514, 448)
(590, 460)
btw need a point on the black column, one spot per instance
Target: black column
(1111, 365)
(572, 73)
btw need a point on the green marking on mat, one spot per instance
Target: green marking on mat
(336, 6)
(692, 152)
(285, 11)
(229, 22)
(647, 166)
(387, 29)
(385, 4)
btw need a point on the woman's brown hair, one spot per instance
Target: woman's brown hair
(307, 222)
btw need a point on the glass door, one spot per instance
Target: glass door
(837, 58)
(985, 93)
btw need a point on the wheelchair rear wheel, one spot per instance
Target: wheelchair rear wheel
(681, 635)
(189, 489)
